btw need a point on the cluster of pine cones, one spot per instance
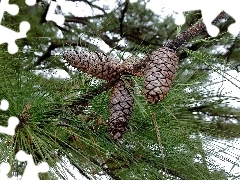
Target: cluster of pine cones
(159, 73)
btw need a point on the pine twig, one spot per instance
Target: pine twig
(191, 32)
(138, 67)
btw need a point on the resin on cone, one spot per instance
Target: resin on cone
(160, 74)
(97, 64)
(121, 106)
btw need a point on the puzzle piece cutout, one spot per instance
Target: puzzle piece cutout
(30, 2)
(210, 10)
(7, 35)
(4, 105)
(4, 170)
(51, 16)
(12, 121)
(12, 124)
(31, 171)
(10, 8)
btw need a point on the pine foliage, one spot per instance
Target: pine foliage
(189, 134)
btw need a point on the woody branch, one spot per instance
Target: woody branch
(137, 68)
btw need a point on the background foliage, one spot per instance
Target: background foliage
(64, 121)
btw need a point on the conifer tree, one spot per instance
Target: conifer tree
(99, 119)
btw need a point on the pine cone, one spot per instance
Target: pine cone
(97, 64)
(160, 74)
(121, 106)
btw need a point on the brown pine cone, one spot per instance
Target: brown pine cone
(97, 64)
(160, 74)
(121, 106)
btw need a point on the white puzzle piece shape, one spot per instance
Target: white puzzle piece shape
(4, 170)
(12, 124)
(12, 121)
(31, 171)
(51, 16)
(30, 2)
(9, 36)
(4, 105)
(210, 10)
(12, 9)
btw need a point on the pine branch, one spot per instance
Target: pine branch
(191, 32)
(78, 168)
(123, 12)
(78, 105)
(158, 68)
(176, 43)
(24, 117)
(58, 44)
(93, 5)
(169, 171)
(82, 20)
(106, 170)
